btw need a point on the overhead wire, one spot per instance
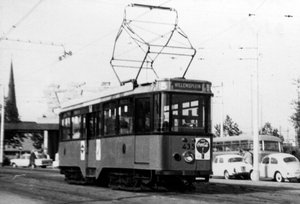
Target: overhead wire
(32, 42)
(234, 25)
(38, 70)
(113, 31)
(88, 45)
(21, 20)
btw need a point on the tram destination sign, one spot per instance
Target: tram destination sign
(191, 86)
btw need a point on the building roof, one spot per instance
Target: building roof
(31, 126)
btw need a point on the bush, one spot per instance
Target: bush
(292, 150)
(6, 161)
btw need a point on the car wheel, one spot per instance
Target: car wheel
(251, 176)
(14, 165)
(226, 175)
(245, 177)
(278, 177)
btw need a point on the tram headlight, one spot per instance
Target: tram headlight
(189, 157)
(177, 157)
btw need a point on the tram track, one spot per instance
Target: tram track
(49, 187)
(43, 189)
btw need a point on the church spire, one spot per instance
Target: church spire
(11, 99)
(11, 87)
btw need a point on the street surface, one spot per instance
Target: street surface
(43, 186)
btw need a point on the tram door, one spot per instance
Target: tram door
(142, 128)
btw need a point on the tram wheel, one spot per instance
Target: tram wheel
(206, 178)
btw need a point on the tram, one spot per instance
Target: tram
(140, 135)
(157, 134)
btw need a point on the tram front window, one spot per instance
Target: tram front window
(185, 112)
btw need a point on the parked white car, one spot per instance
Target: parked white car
(279, 166)
(230, 165)
(23, 161)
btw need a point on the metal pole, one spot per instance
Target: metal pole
(255, 120)
(221, 124)
(46, 142)
(2, 129)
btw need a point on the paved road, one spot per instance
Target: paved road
(13, 198)
(47, 186)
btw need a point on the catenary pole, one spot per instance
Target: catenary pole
(2, 128)
(222, 104)
(255, 119)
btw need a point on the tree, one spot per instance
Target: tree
(12, 138)
(267, 129)
(38, 140)
(230, 128)
(296, 119)
(11, 112)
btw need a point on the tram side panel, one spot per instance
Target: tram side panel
(116, 152)
(162, 153)
(181, 155)
(68, 154)
(72, 155)
(152, 152)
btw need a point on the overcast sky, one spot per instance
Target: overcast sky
(33, 31)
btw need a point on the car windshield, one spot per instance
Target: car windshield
(289, 159)
(235, 159)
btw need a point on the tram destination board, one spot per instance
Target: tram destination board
(191, 86)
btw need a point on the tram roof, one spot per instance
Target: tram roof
(164, 84)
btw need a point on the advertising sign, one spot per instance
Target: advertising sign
(82, 150)
(202, 149)
(98, 149)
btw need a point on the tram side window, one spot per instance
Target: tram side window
(66, 128)
(244, 144)
(161, 113)
(83, 129)
(235, 145)
(227, 146)
(260, 145)
(110, 114)
(125, 116)
(142, 115)
(165, 113)
(157, 114)
(91, 125)
(271, 146)
(250, 145)
(99, 124)
(76, 127)
(218, 146)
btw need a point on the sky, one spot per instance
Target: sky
(232, 39)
